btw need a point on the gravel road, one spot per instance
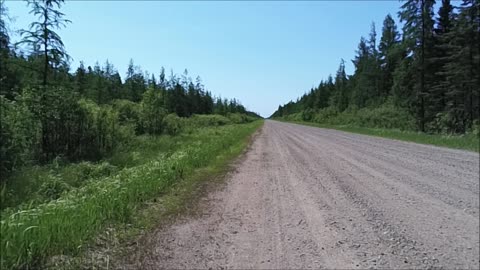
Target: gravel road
(305, 197)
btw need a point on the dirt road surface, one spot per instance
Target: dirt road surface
(305, 197)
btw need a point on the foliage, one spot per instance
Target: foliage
(173, 124)
(19, 135)
(199, 120)
(80, 149)
(386, 116)
(152, 112)
(427, 75)
(53, 187)
(240, 118)
(63, 226)
(42, 38)
(48, 112)
(468, 141)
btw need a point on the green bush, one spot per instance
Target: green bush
(152, 112)
(308, 114)
(100, 131)
(52, 188)
(34, 183)
(476, 128)
(294, 117)
(325, 115)
(77, 174)
(240, 118)
(129, 113)
(386, 116)
(207, 120)
(19, 135)
(22, 185)
(452, 122)
(173, 124)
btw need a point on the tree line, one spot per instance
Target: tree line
(429, 69)
(46, 111)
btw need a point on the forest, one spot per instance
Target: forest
(85, 149)
(423, 77)
(48, 111)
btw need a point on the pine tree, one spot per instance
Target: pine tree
(462, 70)
(135, 84)
(81, 79)
(152, 83)
(9, 80)
(440, 57)
(42, 37)
(390, 54)
(366, 80)
(339, 99)
(417, 16)
(162, 81)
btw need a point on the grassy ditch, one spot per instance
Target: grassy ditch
(31, 233)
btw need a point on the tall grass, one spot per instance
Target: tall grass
(65, 225)
(41, 183)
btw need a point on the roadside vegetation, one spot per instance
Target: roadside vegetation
(83, 150)
(64, 223)
(420, 84)
(469, 141)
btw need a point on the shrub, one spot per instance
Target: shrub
(239, 118)
(476, 128)
(454, 121)
(19, 135)
(307, 114)
(204, 120)
(52, 188)
(76, 174)
(152, 112)
(128, 113)
(386, 116)
(173, 124)
(325, 115)
(37, 183)
(294, 117)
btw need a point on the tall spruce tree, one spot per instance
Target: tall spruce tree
(339, 99)
(462, 69)
(42, 37)
(417, 16)
(9, 80)
(390, 54)
(440, 57)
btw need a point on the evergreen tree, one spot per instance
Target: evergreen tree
(42, 37)
(81, 79)
(367, 73)
(390, 54)
(462, 70)
(135, 84)
(162, 81)
(440, 57)
(417, 16)
(9, 80)
(340, 97)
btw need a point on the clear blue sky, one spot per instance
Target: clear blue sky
(262, 53)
